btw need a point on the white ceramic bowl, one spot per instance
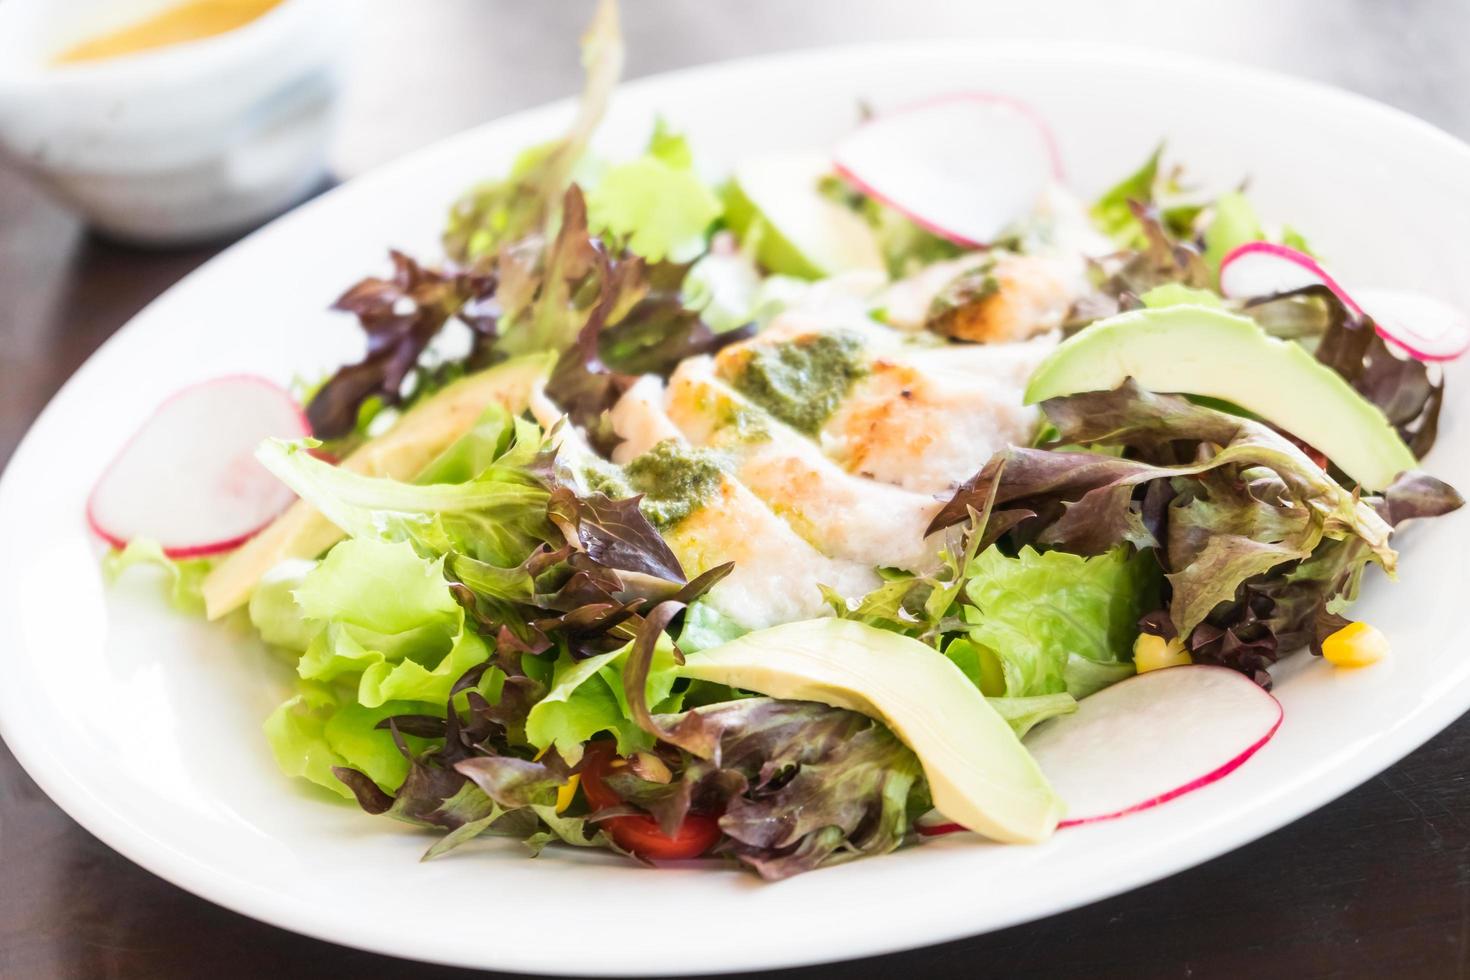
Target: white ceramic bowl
(178, 143)
(144, 725)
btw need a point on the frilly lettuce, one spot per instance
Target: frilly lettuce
(504, 211)
(1024, 714)
(587, 697)
(1228, 523)
(377, 612)
(383, 637)
(185, 576)
(1059, 622)
(499, 516)
(316, 730)
(655, 204)
(1234, 223)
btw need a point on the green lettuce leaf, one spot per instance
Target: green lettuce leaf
(587, 697)
(706, 627)
(1234, 224)
(382, 588)
(498, 517)
(527, 200)
(383, 615)
(1059, 622)
(274, 611)
(296, 734)
(656, 204)
(1113, 211)
(1024, 714)
(185, 576)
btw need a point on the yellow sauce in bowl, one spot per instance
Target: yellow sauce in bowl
(191, 21)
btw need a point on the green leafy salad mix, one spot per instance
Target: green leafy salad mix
(499, 640)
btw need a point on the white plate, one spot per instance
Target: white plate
(144, 725)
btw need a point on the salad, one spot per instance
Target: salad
(850, 498)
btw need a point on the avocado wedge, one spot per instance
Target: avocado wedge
(423, 433)
(979, 774)
(1197, 350)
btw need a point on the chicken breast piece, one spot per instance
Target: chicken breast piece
(997, 297)
(1032, 291)
(928, 420)
(841, 515)
(639, 419)
(776, 574)
(906, 409)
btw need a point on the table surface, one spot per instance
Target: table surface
(1375, 884)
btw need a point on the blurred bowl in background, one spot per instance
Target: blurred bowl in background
(176, 143)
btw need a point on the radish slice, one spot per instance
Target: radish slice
(1265, 269)
(1428, 329)
(1147, 740)
(189, 479)
(1422, 326)
(964, 167)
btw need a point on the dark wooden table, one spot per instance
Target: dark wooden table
(1376, 884)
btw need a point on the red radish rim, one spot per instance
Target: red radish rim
(1413, 349)
(1315, 268)
(212, 547)
(993, 98)
(1218, 773)
(1295, 257)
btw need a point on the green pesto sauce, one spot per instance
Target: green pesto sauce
(745, 425)
(675, 481)
(966, 289)
(802, 381)
(600, 476)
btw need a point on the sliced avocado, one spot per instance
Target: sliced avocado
(400, 453)
(1196, 350)
(979, 774)
(801, 231)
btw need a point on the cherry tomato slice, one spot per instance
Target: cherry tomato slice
(640, 834)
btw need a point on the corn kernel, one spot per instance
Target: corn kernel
(1355, 645)
(566, 791)
(1155, 653)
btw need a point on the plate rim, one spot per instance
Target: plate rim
(278, 908)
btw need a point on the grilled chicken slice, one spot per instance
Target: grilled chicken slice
(777, 572)
(842, 515)
(995, 297)
(912, 411)
(639, 419)
(928, 420)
